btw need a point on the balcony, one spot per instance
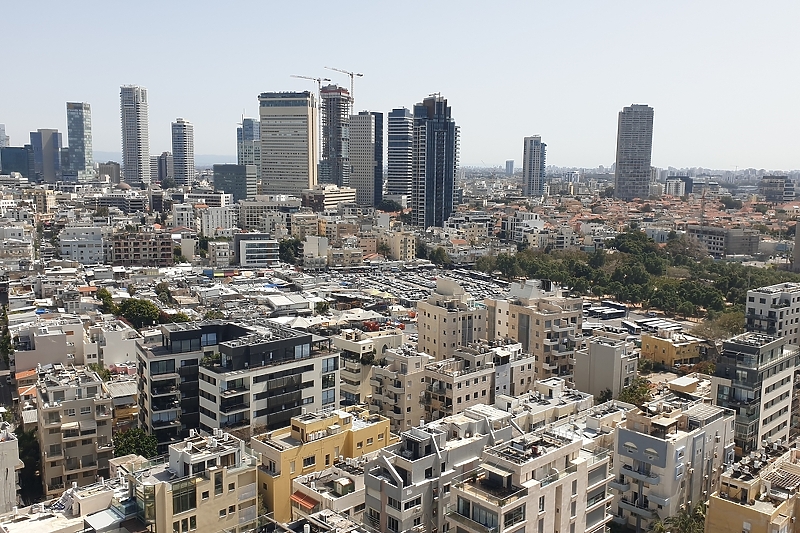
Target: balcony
(248, 514)
(469, 523)
(55, 487)
(233, 408)
(246, 492)
(160, 424)
(622, 486)
(164, 391)
(438, 388)
(479, 486)
(227, 393)
(655, 498)
(105, 446)
(165, 406)
(637, 509)
(653, 479)
(595, 502)
(102, 413)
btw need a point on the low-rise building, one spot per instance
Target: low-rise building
(144, 248)
(339, 488)
(452, 385)
(671, 348)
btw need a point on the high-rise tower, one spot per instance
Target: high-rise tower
(288, 142)
(400, 133)
(183, 151)
(533, 166)
(634, 149)
(135, 134)
(248, 144)
(337, 104)
(434, 162)
(366, 157)
(79, 137)
(46, 144)
(4, 140)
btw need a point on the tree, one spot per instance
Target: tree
(637, 393)
(101, 212)
(135, 441)
(604, 396)
(214, 314)
(108, 302)
(384, 249)
(104, 373)
(439, 256)
(389, 206)
(686, 521)
(607, 193)
(139, 312)
(168, 183)
(322, 308)
(289, 250)
(131, 289)
(173, 318)
(645, 365)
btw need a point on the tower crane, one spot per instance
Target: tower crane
(352, 76)
(318, 80)
(319, 105)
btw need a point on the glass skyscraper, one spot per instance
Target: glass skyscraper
(79, 137)
(46, 145)
(634, 149)
(400, 133)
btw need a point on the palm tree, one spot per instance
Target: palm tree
(658, 526)
(684, 522)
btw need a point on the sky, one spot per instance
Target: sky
(722, 76)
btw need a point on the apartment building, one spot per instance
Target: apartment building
(142, 248)
(48, 341)
(546, 402)
(74, 427)
(124, 396)
(398, 387)
(754, 377)
(10, 465)
(775, 310)
(85, 244)
(267, 213)
(668, 455)
(339, 488)
(313, 442)
(607, 364)
(110, 343)
(759, 493)
(671, 348)
(513, 369)
(448, 319)
(541, 316)
(455, 384)
(359, 350)
(721, 242)
(407, 486)
(402, 244)
(219, 254)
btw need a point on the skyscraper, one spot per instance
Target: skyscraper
(248, 144)
(46, 145)
(165, 166)
(533, 166)
(509, 167)
(400, 133)
(288, 142)
(79, 137)
(337, 104)
(183, 151)
(4, 140)
(634, 149)
(135, 134)
(434, 162)
(366, 157)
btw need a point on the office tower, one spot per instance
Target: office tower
(634, 148)
(239, 180)
(754, 377)
(79, 136)
(4, 140)
(135, 134)
(434, 162)
(534, 152)
(46, 145)
(366, 157)
(337, 104)
(510, 167)
(183, 151)
(248, 144)
(165, 166)
(110, 169)
(18, 159)
(400, 133)
(288, 142)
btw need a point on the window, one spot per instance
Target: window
(86, 410)
(392, 523)
(205, 495)
(369, 441)
(192, 523)
(231, 487)
(360, 444)
(412, 503)
(328, 396)
(380, 436)
(330, 364)
(291, 467)
(231, 509)
(541, 504)
(184, 496)
(69, 412)
(217, 483)
(394, 504)
(223, 513)
(574, 487)
(514, 517)
(309, 461)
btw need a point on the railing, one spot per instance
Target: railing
(596, 499)
(247, 514)
(55, 486)
(234, 407)
(465, 521)
(247, 492)
(555, 477)
(498, 497)
(648, 477)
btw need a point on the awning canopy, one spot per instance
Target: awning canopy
(69, 425)
(88, 424)
(304, 500)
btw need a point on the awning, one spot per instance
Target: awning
(69, 425)
(88, 424)
(494, 469)
(304, 500)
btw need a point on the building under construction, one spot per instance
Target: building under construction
(334, 166)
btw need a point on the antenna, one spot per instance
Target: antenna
(352, 76)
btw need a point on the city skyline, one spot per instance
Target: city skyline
(708, 78)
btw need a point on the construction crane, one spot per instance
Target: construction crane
(318, 80)
(352, 76)
(319, 105)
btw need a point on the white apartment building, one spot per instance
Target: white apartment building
(135, 134)
(10, 465)
(110, 343)
(85, 244)
(607, 364)
(366, 175)
(775, 310)
(448, 319)
(183, 151)
(219, 254)
(359, 351)
(216, 221)
(184, 216)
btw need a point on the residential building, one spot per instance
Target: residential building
(721, 242)
(110, 343)
(545, 402)
(674, 187)
(110, 169)
(408, 484)
(46, 144)
(509, 167)
(207, 197)
(219, 254)
(313, 442)
(449, 319)
(79, 137)
(534, 153)
(327, 197)
(452, 385)
(75, 439)
(402, 245)
(434, 162)
(10, 465)
(514, 369)
(165, 166)
(218, 221)
(668, 456)
(48, 342)
(338, 488)
(366, 157)
(239, 180)
(135, 135)
(266, 377)
(359, 351)
(775, 310)
(399, 154)
(606, 365)
(398, 387)
(545, 319)
(634, 150)
(754, 376)
(248, 144)
(85, 244)
(758, 493)
(269, 214)
(288, 141)
(671, 348)
(143, 248)
(336, 105)
(183, 151)
(255, 250)
(777, 189)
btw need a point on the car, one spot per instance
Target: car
(651, 314)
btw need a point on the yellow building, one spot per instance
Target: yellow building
(671, 348)
(313, 442)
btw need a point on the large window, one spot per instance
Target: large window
(330, 364)
(392, 523)
(514, 517)
(328, 381)
(184, 496)
(328, 396)
(162, 367)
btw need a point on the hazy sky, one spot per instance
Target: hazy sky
(722, 76)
